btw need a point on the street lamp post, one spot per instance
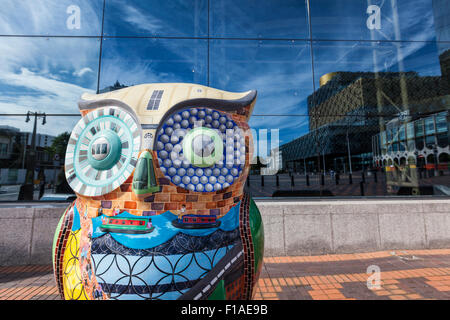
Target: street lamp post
(27, 189)
(349, 154)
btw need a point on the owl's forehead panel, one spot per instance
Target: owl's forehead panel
(151, 103)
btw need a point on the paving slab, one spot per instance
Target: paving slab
(403, 275)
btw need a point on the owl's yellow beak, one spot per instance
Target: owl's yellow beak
(144, 179)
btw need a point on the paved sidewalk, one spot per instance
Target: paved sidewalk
(409, 274)
(405, 274)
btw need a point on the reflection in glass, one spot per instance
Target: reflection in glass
(41, 154)
(175, 18)
(419, 128)
(378, 19)
(285, 19)
(375, 111)
(367, 94)
(40, 77)
(279, 70)
(46, 74)
(51, 17)
(133, 61)
(441, 122)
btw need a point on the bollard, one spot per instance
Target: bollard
(292, 181)
(361, 187)
(278, 180)
(322, 179)
(336, 177)
(350, 179)
(307, 180)
(262, 181)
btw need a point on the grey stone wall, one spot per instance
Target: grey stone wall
(26, 234)
(325, 227)
(291, 227)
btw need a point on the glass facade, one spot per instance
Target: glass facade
(353, 96)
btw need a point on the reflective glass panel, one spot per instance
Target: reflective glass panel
(132, 61)
(430, 142)
(429, 125)
(39, 161)
(175, 18)
(410, 130)
(419, 128)
(285, 19)
(51, 17)
(441, 123)
(380, 19)
(279, 70)
(46, 74)
(401, 132)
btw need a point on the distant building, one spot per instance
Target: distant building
(350, 108)
(115, 86)
(12, 151)
(7, 139)
(42, 140)
(422, 142)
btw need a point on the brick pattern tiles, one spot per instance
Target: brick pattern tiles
(28, 283)
(405, 275)
(60, 248)
(247, 243)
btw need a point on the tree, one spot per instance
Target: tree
(59, 145)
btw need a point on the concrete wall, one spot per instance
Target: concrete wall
(26, 233)
(323, 227)
(291, 227)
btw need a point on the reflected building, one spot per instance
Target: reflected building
(12, 151)
(116, 86)
(350, 108)
(422, 142)
(8, 137)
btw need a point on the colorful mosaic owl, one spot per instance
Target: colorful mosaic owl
(161, 213)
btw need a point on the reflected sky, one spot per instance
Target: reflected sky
(347, 20)
(49, 17)
(156, 18)
(285, 19)
(44, 74)
(50, 74)
(137, 61)
(279, 70)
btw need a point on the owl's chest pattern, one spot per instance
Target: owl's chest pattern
(162, 260)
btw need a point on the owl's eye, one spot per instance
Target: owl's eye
(203, 147)
(102, 151)
(200, 149)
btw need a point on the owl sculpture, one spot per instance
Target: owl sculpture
(159, 171)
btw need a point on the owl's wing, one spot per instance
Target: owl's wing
(59, 246)
(66, 250)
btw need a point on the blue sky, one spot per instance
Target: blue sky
(274, 56)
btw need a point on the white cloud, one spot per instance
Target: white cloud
(144, 22)
(43, 74)
(82, 72)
